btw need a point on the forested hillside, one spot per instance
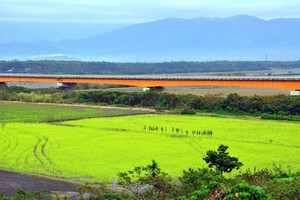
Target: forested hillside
(77, 67)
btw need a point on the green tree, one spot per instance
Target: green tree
(134, 180)
(221, 160)
(146, 181)
(153, 168)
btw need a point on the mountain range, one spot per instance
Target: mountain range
(202, 39)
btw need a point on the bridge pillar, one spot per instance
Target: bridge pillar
(295, 93)
(66, 86)
(153, 89)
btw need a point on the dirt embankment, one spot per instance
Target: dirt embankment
(12, 181)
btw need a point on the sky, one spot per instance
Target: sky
(138, 11)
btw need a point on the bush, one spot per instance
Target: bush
(246, 192)
(276, 188)
(280, 117)
(187, 111)
(146, 181)
(112, 196)
(192, 179)
(25, 195)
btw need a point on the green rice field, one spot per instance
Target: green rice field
(26, 112)
(97, 149)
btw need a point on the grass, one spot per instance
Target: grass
(97, 149)
(25, 112)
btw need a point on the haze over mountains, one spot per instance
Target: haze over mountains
(201, 39)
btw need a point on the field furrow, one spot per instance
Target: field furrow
(23, 156)
(7, 142)
(43, 152)
(12, 144)
(36, 152)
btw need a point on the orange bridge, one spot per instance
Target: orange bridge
(286, 83)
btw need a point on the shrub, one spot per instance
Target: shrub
(187, 111)
(246, 192)
(192, 179)
(112, 196)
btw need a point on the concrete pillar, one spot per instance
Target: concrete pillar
(295, 93)
(153, 89)
(146, 89)
(66, 86)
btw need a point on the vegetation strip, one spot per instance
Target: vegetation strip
(276, 107)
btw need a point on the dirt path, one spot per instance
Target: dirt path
(11, 181)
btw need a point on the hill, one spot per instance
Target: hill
(234, 38)
(105, 68)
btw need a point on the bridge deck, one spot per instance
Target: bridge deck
(278, 82)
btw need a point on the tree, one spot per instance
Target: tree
(146, 180)
(134, 180)
(153, 168)
(221, 160)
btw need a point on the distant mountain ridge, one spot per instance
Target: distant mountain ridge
(235, 38)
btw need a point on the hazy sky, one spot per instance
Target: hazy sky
(134, 11)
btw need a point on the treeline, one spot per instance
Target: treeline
(269, 107)
(233, 103)
(78, 67)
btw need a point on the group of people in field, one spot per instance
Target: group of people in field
(178, 130)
